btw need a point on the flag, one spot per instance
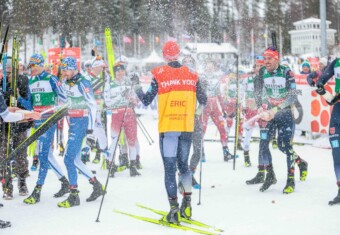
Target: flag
(157, 40)
(186, 37)
(141, 40)
(127, 40)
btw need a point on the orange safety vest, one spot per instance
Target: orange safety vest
(176, 98)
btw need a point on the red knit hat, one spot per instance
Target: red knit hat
(171, 50)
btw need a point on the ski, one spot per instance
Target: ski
(110, 51)
(38, 132)
(188, 221)
(254, 139)
(164, 223)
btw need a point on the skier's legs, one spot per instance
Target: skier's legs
(77, 132)
(99, 132)
(266, 132)
(21, 168)
(285, 128)
(168, 143)
(130, 128)
(197, 144)
(183, 151)
(55, 165)
(334, 139)
(45, 142)
(219, 122)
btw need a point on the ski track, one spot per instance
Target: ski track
(227, 202)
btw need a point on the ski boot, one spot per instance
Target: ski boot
(174, 215)
(290, 186)
(239, 145)
(96, 159)
(303, 167)
(113, 170)
(138, 164)
(35, 163)
(258, 179)
(247, 162)
(274, 143)
(123, 160)
(23, 191)
(336, 200)
(72, 200)
(186, 210)
(270, 179)
(133, 169)
(64, 187)
(5, 224)
(35, 196)
(203, 159)
(226, 154)
(98, 190)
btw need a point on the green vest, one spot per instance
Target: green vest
(41, 90)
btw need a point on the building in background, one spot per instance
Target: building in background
(306, 37)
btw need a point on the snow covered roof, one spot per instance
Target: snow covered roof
(309, 20)
(210, 48)
(153, 58)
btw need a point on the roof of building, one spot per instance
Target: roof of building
(309, 20)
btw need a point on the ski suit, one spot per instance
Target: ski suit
(98, 130)
(213, 90)
(278, 91)
(44, 90)
(177, 88)
(249, 110)
(230, 105)
(120, 100)
(81, 117)
(334, 127)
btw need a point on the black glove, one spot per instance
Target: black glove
(8, 93)
(334, 100)
(134, 79)
(90, 139)
(320, 89)
(310, 79)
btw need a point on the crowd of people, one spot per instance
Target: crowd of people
(187, 98)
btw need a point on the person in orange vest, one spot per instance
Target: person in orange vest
(177, 88)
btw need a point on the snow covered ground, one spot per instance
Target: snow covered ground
(227, 202)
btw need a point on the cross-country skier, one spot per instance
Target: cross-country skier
(97, 66)
(250, 107)
(120, 100)
(81, 116)
(197, 136)
(333, 69)
(211, 78)
(10, 114)
(277, 93)
(177, 88)
(43, 91)
(20, 130)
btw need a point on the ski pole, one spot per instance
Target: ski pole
(143, 127)
(111, 164)
(201, 165)
(237, 113)
(143, 131)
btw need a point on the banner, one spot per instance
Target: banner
(54, 57)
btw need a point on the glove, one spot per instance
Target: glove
(134, 79)
(320, 89)
(310, 79)
(90, 138)
(334, 100)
